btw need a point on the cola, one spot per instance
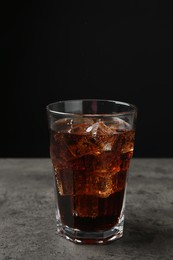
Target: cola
(91, 158)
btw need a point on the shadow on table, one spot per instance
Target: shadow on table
(147, 237)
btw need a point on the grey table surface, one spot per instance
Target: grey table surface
(27, 214)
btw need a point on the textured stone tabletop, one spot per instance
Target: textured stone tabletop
(27, 214)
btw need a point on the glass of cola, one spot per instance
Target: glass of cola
(91, 147)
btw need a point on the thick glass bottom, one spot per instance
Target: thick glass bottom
(82, 237)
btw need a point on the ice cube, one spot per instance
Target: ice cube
(86, 206)
(99, 184)
(102, 135)
(119, 181)
(128, 144)
(117, 124)
(99, 128)
(80, 145)
(79, 125)
(62, 125)
(105, 162)
(72, 125)
(78, 141)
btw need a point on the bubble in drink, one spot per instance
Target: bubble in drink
(91, 161)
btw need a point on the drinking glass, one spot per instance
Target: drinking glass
(91, 147)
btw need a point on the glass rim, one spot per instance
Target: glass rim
(73, 114)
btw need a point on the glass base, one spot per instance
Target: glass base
(81, 237)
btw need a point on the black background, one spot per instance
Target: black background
(54, 50)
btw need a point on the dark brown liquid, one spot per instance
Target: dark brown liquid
(108, 211)
(91, 175)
